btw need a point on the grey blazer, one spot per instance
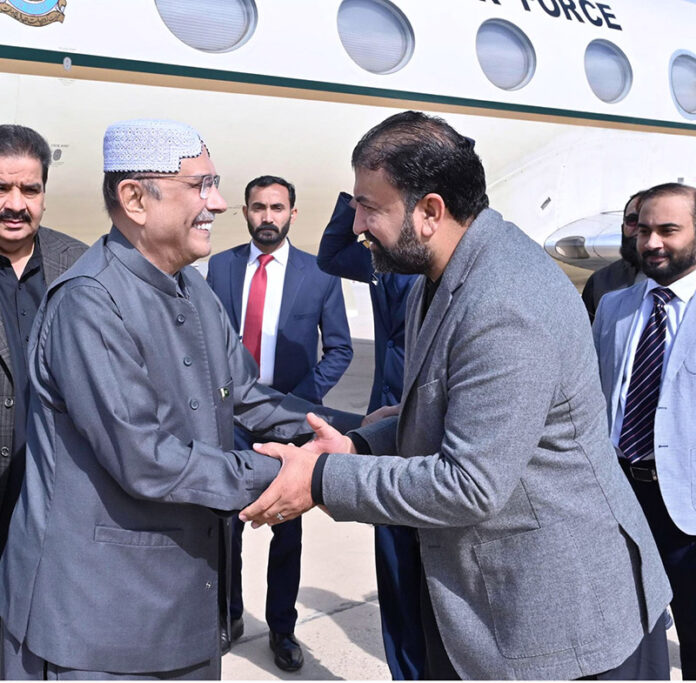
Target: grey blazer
(675, 429)
(137, 378)
(539, 561)
(58, 253)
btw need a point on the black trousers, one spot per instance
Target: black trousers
(678, 553)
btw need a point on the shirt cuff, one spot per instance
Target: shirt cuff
(317, 479)
(361, 445)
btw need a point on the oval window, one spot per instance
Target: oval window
(209, 25)
(505, 54)
(683, 77)
(376, 35)
(608, 71)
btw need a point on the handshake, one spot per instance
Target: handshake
(290, 493)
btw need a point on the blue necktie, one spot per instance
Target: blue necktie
(638, 429)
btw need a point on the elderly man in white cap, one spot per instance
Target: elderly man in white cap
(114, 553)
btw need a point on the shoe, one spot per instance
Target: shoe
(236, 629)
(235, 633)
(287, 651)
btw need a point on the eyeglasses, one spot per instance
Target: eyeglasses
(631, 220)
(205, 182)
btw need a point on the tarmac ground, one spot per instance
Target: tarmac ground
(338, 614)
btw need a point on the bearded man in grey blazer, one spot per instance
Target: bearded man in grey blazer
(537, 560)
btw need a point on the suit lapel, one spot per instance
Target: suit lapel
(294, 274)
(423, 336)
(683, 342)
(237, 264)
(52, 256)
(420, 338)
(626, 313)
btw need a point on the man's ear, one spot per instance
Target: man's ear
(293, 214)
(245, 211)
(431, 209)
(133, 200)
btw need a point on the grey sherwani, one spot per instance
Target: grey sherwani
(112, 557)
(538, 559)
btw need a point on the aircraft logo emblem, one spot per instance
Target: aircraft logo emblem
(34, 12)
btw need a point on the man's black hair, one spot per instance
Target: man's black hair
(267, 181)
(16, 140)
(639, 195)
(422, 154)
(669, 189)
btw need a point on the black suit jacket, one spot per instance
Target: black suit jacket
(617, 275)
(58, 253)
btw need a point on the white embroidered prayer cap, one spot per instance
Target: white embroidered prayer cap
(149, 145)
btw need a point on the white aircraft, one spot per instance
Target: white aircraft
(574, 104)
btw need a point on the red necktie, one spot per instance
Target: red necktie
(253, 322)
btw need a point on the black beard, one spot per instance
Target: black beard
(268, 234)
(678, 263)
(629, 251)
(408, 256)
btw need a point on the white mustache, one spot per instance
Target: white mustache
(205, 217)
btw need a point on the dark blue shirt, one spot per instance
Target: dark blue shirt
(19, 303)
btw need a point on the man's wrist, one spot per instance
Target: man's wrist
(360, 444)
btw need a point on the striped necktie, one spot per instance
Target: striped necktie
(638, 429)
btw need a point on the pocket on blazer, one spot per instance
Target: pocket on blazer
(162, 538)
(539, 594)
(690, 363)
(429, 391)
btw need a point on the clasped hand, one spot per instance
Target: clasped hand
(290, 493)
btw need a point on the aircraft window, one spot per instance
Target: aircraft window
(209, 25)
(608, 71)
(376, 35)
(683, 75)
(505, 54)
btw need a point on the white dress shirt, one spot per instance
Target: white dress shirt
(684, 289)
(275, 272)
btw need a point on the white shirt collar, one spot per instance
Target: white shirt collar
(281, 254)
(684, 288)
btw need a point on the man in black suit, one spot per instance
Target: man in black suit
(31, 257)
(622, 273)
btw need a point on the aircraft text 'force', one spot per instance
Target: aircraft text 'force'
(584, 11)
